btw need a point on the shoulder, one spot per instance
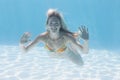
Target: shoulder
(42, 36)
(68, 37)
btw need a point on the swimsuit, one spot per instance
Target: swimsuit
(62, 49)
(59, 50)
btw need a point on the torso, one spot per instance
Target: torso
(56, 44)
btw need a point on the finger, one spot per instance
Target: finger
(80, 29)
(29, 40)
(23, 35)
(27, 34)
(87, 29)
(83, 27)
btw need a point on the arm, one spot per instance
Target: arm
(24, 39)
(84, 35)
(75, 44)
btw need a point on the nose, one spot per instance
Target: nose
(53, 25)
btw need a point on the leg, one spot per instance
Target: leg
(74, 57)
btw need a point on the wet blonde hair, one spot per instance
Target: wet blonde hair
(54, 12)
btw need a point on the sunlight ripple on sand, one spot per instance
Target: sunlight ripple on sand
(37, 65)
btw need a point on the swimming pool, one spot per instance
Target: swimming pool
(101, 18)
(37, 65)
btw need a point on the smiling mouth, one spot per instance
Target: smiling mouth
(55, 29)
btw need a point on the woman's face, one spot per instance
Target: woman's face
(53, 24)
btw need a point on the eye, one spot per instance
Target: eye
(56, 24)
(50, 24)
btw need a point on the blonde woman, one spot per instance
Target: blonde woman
(58, 39)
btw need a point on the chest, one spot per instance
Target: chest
(55, 44)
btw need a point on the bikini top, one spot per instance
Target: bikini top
(62, 49)
(59, 50)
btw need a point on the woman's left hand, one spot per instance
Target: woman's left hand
(25, 38)
(84, 33)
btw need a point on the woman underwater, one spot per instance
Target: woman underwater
(58, 39)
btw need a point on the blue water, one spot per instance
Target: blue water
(102, 17)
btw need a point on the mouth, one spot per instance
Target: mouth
(55, 29)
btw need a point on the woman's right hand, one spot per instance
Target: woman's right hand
(25, 38)
(84, 34)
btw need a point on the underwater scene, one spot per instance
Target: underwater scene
(101, 17)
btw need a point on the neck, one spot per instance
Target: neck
(54, 36)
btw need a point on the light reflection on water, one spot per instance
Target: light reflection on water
(37, 65)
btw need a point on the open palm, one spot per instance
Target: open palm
(84, 33)
(25, 38)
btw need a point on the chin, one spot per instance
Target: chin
(54, 31)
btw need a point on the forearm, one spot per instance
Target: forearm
(22, 47)
(25, 48)
(85, 46)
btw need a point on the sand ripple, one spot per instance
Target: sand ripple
(37, 65)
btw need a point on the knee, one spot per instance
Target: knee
(80, 63)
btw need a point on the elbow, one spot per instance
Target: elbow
(85, 51)
(23, 48)
(24, 51)
(85, 48)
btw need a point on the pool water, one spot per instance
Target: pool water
(38, 65)
(101, 17)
